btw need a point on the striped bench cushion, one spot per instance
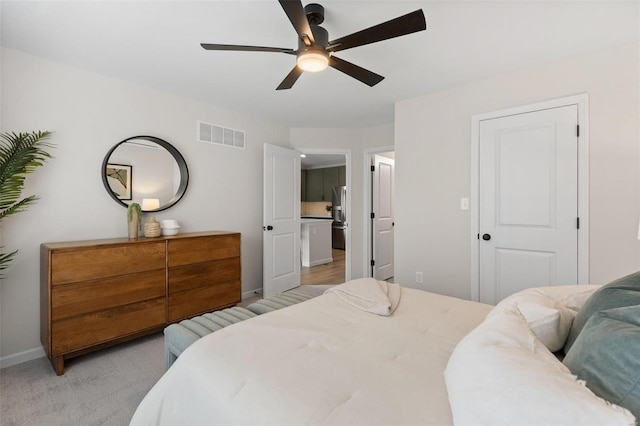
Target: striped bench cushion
(179, 336)
(280, 300)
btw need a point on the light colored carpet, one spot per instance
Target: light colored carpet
(101, 388)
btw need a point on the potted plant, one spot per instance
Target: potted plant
(134, 214)
(20, 154)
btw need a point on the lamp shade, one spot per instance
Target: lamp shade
(149, 204)
(313, 60)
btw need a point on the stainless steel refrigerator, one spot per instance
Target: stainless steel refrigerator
(339, 229)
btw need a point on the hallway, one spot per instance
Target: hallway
(329, 273)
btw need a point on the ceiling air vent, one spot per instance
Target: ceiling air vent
(210, 133)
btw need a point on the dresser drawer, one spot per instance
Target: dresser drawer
(190, 277)
(81, 298)
(103, 262)
(203, 287)
(202, 249)
(187, 304)
(83, 331)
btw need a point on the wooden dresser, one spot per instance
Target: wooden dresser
(97, 293)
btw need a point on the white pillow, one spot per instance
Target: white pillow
(549, 319)
(550, 322)
(501, 374)
(575, 301)
(571, 296)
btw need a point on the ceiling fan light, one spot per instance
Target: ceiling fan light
(313, 60)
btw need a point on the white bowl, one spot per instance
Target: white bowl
(170, 231)
(169, 223)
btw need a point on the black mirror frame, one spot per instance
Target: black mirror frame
(182, 165)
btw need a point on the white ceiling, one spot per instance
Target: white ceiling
(157, 43)
(310, 161)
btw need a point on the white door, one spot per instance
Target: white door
(528, 203)
(281, 214)
(382, 187)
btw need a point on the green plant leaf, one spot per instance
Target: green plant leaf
(18, 207)
(20, 154)
(5, 258)
(134, 207)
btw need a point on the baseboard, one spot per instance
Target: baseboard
(251, 293)
(317, 262)
(20, 357)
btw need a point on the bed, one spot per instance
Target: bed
(431, 361)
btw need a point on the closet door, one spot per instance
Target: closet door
(528, 201)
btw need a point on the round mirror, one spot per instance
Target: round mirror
(145, 170)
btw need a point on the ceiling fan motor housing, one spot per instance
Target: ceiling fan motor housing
(315, 13)
(321, 37)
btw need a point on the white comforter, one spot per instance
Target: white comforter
(319, 362)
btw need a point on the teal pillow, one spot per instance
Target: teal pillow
(606, 355)
(622, 292)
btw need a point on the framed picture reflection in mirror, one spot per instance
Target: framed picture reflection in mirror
(119, 179)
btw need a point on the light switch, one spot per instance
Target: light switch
(464, 204)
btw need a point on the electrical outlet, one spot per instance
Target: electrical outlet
(419, 277)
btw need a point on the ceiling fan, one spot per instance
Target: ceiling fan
(315, 51)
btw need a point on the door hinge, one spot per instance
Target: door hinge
(373, 215)
(577, 223)
(373, 168)
(373, 263)
(577, 130)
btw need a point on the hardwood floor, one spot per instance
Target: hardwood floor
(329, 273)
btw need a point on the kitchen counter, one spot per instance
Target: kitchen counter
(314, 220)
(315, 241)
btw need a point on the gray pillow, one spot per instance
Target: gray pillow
(622, 292)
(606, 355)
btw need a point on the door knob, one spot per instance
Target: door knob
(268, 228)
(486, 237)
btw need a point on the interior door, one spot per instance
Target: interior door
(528, 202)
(382, 187)
(281, 214)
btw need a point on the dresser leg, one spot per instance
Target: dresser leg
(58, 364)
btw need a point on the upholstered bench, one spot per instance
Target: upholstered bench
(281, 300)
(179, 336)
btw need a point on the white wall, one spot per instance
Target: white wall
(355, 140)
(90, 113)
(432, 145)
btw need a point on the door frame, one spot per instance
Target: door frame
(368, 155)
(582, 102)
(347, 154)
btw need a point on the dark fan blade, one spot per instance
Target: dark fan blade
(290, 79)
(295, 13)
(367, 77)
(403, 25)
(209, 46)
